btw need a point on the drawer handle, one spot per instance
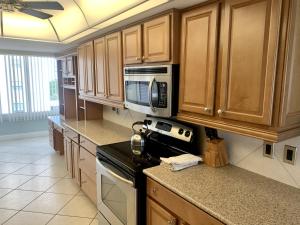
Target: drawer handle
(154, 190)
(207, 109)
(220, 111)
(81, 159)
(83, 182)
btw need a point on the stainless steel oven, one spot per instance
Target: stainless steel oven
(152, 90)
(116, 195)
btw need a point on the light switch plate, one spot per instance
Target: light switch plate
(289, 154)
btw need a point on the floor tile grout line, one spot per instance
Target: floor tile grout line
(11, 216)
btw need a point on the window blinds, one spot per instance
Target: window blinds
(28, 87)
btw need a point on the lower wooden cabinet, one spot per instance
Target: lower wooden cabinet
(76, 170)
(158, 215)
(166, 207)
(68, 156)
(88, 186)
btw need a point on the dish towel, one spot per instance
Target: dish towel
(182, 161)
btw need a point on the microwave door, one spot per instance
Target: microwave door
(153, 94)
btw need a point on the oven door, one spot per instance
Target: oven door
(149, 94)
(116, 195)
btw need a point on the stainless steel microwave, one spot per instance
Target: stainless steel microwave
(152, 90)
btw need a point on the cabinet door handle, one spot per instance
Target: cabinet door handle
(220, 111)
(138, 58)
(81, 159)
(207, 109)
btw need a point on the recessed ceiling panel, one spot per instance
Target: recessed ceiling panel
(70, 21)
(97, 11)
(19, 25)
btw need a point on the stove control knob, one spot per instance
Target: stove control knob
(187, 133)
(180, 131)
(149, 122)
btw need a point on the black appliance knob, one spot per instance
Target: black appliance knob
(180, 131)
(187, 133)
(149, 122)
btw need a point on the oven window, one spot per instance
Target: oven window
(114, 198)
(137, 92)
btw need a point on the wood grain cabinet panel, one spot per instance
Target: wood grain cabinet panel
(90, 80)
(132, 45)
(76, 170)
(249, 43)
(81, 69)
(100, 72)
(158, 215)
(157, 40)
(198, 60)
(114, 67)
(68, 156)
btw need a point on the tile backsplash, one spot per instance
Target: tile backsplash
(244, 152)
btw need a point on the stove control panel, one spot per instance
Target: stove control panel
(169, 128)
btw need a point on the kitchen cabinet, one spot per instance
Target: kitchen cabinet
(158, 215)
(256, 72)
(132, 45)
(76, 170)
(108, 70)
(68, 156)
(153, 41)
(114, 67)
(198, 60)
(56, 139)
(166, 207)
(157, 40)
(86, 69)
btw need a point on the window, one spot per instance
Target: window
(28, 87)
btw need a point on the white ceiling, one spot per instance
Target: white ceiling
(81, 20)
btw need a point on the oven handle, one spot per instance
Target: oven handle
(113, 174)
(150, 94)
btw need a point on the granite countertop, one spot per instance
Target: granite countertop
(57, 120)
(233, 195)
(100, 132)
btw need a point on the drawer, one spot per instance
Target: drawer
(88, 145)
(179, 206)
(71, 134)
(88, 186)
(87, 163)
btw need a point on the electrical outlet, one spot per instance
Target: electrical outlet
(289, 155)
(268, 149)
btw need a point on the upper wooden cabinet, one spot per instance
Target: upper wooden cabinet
(100, 71)
(132, 45)
(86, 69)
(153, 41)
(198, 60)
(249, 41)
(157, 40)
(255, 91)
(114, 67)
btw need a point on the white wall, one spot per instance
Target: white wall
(243, 151)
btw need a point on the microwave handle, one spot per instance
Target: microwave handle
(150, 94)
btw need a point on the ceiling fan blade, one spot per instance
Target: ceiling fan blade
(35, 13)
(43, 5)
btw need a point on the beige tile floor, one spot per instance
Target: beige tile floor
(35, 188)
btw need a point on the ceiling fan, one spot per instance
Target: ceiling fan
(30, 7)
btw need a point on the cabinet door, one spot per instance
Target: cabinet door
(100, 73)
(132, 45)
(64, 67)
(76, 171)
(69, 65)
(68, 156)
(114, 67)
(157, 40)
(158, 215)
(81, 69)
(90, 80)
(198, 60)
(249, 43)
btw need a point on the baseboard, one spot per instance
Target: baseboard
(10, 137)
